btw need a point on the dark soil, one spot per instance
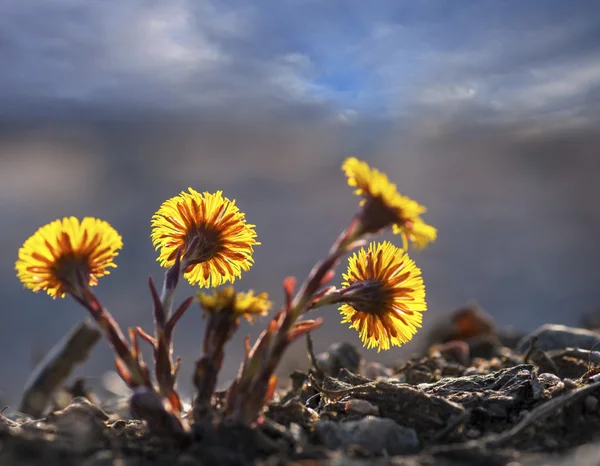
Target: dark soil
(448, 408)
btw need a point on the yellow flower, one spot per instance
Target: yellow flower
(384, 296)
(66, 255)
(215, 241)
(238, 304)
(384, 206)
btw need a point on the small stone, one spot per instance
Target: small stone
(377, 435)
(455, 350)
(537, 387)
(591, 404)
(339, 356)
(554, 337)
(81, 424)
(362, 407)
(551, 382)
(549, 379)
(570, 384)
(374, 370)
(147, 405)
(462, 324)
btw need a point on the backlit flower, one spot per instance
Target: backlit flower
(215, 241)
(383, 205)
(383, 296)
(66, 255)
(247, 305)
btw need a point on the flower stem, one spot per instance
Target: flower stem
(114, 335)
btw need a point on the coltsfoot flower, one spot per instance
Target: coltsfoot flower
(383, 205)
(66, 255)
(215, 241)
(383, 295)
(242, 304)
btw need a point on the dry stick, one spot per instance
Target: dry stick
(54, 369)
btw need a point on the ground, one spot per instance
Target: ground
(466, 401)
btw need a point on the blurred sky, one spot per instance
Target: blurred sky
(485, 111)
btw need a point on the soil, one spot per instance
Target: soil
(467, 401)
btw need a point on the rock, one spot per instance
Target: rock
(537, 387)
(554, 337)
(427, 414)
(485, 346)
(147, 405)
(374, 370)
(462, 324)
(493, 395)
(361, 407)
(80, 425)
(455, 350)
(376, 435)
(339, 356)
(549, 379)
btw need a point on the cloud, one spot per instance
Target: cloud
(511, 60)
(522, 63)
(176, 54)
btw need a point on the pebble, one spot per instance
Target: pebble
(147, 405)
(363, 407)
(375, 370)
(81, 424)
(377, 435)
(455, 350)
(339, 356)
(570, 384)
(549, 379)
(555, 337)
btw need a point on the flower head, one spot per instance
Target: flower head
(384, 296)
(384, 206)
(215, 241)
(245, 305)
(66, 255)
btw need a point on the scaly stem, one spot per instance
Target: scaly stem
(114, 335)
(253, 385)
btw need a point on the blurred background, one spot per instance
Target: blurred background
(485, 111)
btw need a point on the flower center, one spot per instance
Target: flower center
(372, 297)
(377, 214)
(201, 244)
(71, 272)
